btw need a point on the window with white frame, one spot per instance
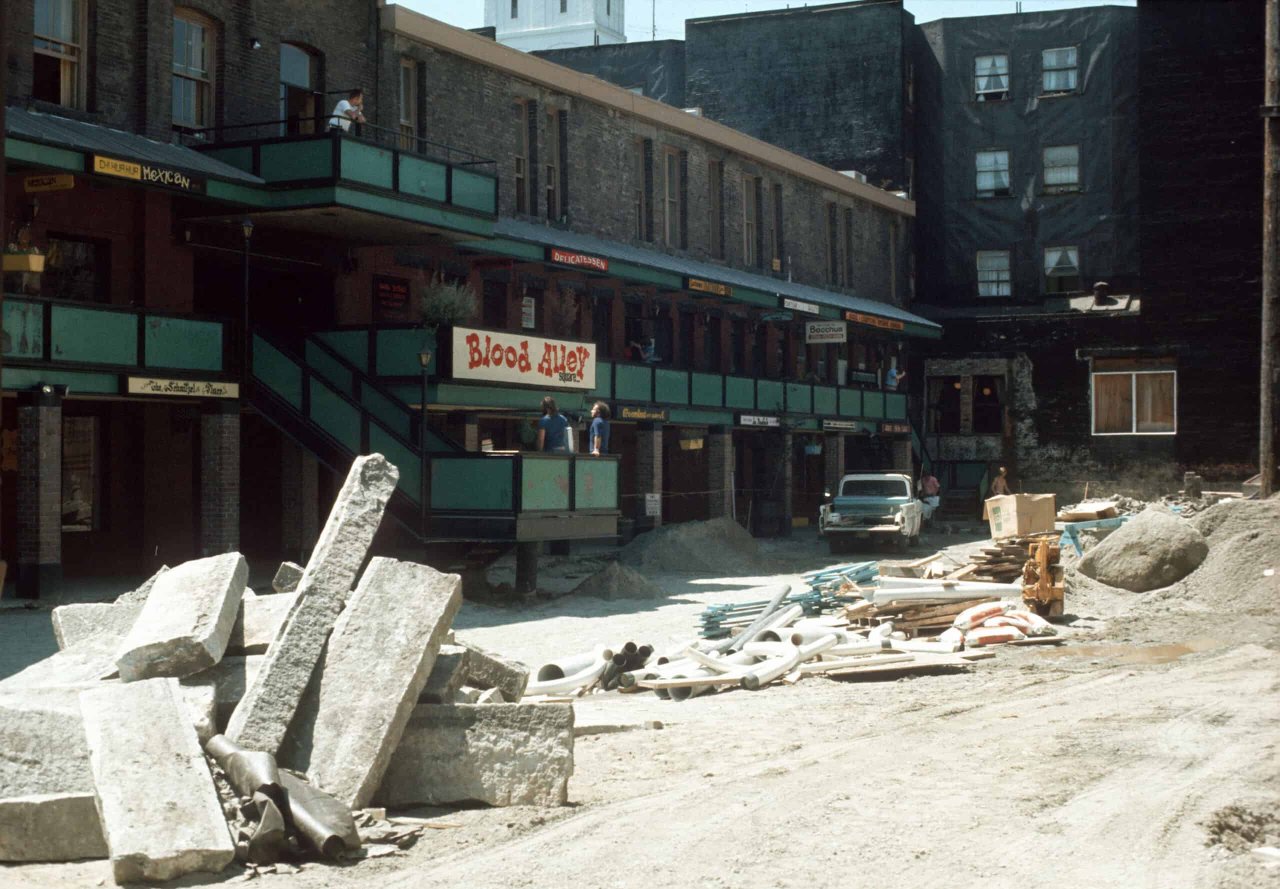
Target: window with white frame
(1134, 402)
(993, 173)
(1062, 169)
(991, 78)
(193, 54)
(58, 68)
(993, 273)
(1058, 67)
(408, 104)
(1061, 269)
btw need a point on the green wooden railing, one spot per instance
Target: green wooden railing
(523, 483)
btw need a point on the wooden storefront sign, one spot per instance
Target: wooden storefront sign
(185, 388)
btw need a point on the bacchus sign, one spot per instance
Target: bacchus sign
(500, 357)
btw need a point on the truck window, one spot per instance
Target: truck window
(874, 487)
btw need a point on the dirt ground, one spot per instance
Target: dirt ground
(1102, 763)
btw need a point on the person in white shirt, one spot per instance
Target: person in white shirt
(347, 110)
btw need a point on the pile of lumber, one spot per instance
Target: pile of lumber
(1002, 562)
(929, 617)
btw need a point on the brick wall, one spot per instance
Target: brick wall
(220, 479)
(720, 475)
(39, 492)
(833, 461)
(648, 471)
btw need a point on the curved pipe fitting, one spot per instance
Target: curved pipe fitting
(770, 670)
(566, 667)
(568, 684)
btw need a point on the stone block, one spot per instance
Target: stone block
(258, 622)
(499, 754)
(447, 676)
(186, 622)
(85, 664)
(381, 652)
(287, 577)
(488, 670)
(262, 718)
(159, 810)
(50, 827)
(228, 678)
(138, 596)
(73, 624)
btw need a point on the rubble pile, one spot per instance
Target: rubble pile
(193, 723)
(715, 547)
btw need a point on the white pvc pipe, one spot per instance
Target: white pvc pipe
(566, 667)
(951, 594)
(761, 648)
(803, 636)
(779, 619)
(568, 683)
(855, 662)
(858, 646)
(731, 663)
(684, 692)
(771, 670)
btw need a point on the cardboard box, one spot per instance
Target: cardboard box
(1016, 515)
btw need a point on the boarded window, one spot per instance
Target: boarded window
(1141, 402)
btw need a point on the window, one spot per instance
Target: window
(408, 104)
(522, 157)
(991, 78)
(671, 197)
(988, 412)
(715, 204)
(642, 185)
(778, 245)
(1061, 270)
(58, 68)
(750, 210)
(298, 82)
(1138, 402)
(193, 55)
(848, 247)
(564, 6)
(993, 273)
(553, 165)
(833, 249)
(80, 476)
(77, 269)
(1062, 169)
(515, 8)
(1059, 69)
(944, 404)
(993, 174)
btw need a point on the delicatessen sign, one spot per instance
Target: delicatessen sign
(503, 357)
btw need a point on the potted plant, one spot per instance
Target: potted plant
(441, 304)
(23, 259)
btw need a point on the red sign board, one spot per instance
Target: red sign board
(873, 321)
(581, 260)
(390, 298)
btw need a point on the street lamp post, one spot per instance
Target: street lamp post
(424, 487)
(246, 228)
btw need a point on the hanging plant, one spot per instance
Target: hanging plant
(444, 303)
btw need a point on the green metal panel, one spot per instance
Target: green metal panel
(508, 247)
(234, 192)
(492, 396)
(339, 418)
(851, 402)
(426, 214)
(691, 417)
(895, 406)
(631, 382)
(755, 297)
(604, 380)
(647, 275)
(367, 163)
(799, 398)
(808, 423)
(353, 345)
(769, 395)
(545, 483)
(873, 404)
(473, 191)
(409, 463)
(468, 483)
(671, 386)
(330, 369)
(390, 413)
(93, 335)
(824, 400)
(43, 155)
(240, 157)
(398, 350)
(277, 371)
(595, 484)
(182, 343)
(708, 389)
(291, 161)
(20, 378)
(23, 329)
(423, 178)
(739, 392)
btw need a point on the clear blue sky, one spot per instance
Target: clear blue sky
(672, 13)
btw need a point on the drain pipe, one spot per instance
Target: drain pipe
(562, 684)
(762, 675)
(573, 664)
(733, 642)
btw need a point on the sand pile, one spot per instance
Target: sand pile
(1232, 517)
(1153, 550)
(615, 581)
(717, 547)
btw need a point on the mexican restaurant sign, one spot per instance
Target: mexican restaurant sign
(503, 357)
(150, 174)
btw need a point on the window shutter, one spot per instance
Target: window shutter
(759, 222)
(533, 157)
(564, 163)
(648, 189)
(684, 200)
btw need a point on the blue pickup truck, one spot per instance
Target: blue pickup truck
(877, 507)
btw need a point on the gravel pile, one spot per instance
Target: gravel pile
(615, 581)
(715, 547)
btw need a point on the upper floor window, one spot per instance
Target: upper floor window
(715, 206)
(515, 8)
(299, 77)
(750, 211)
(671, 191)
(193, 54)
(1062, 168)
(408, 104)
(993, 273)
(58, 68)
(993, 174)
(991, 78)
(642, 187)
(1059, 69)
(522, 157)
(553, 165)
(1061, 270)
(833, 249)
(564, 6)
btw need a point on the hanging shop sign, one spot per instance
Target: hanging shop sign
(759, 421)
(148, 174)
(799, 305)
(651, 414)
(580, 260)
(703, 286)
(187, 388)
(839, 425)
(873, 321)
(895, 427)
(390, 298)
(776, 316)
(500, 357)
(826, 332)
(52, 182)
(528, 313)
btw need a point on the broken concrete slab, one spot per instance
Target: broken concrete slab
(262, 718)
(228, 678)
(74, 624)
(47, 807)
(258, 622)
(186, 622)
(287, 577)
(138, 596)
(447, 676)
(488, 670)
(85, 664)
(500, 754)
(379, 657)
(159, 809)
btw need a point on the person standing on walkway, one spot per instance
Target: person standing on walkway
(1000, 484)
(598, 435)
(553, 428)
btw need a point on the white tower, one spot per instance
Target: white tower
(555, 24)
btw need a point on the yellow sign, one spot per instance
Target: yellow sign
(110, 166)
(186, 388)
(150, 174)
(873, 321)
(51, 182)
(708, 287)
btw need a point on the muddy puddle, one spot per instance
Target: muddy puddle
(1135, 654)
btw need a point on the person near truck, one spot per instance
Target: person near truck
(930, 492)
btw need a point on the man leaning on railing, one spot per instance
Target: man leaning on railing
(347, 110)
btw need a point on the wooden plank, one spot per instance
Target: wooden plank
(922, 663)
(691, 681)
(961, 573)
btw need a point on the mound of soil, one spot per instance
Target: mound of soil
(716, 547)
(615, 581)
(1155, 549)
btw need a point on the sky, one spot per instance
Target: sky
(671, 14)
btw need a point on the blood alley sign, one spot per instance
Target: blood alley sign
(500, 357)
